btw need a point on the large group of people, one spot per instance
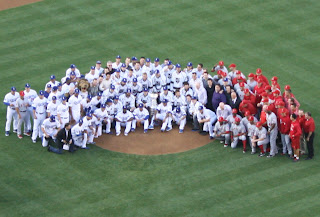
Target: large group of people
(224, 104)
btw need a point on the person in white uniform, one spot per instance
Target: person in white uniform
(272, 131)
(123, 119)
(10, 101)
(163, 113)
(89, 128)
(141, 116)
(52, 107)
(39, 114)
(261, 138)
(206, 118)
(79, 136)
(74, 106)
(30, 95)
(63, 112)
(49, 128)
(238, 132)
(180, 118)
(102, 116)
(21, 106)
(222, 131)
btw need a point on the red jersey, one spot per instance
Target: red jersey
(264, 78)
(285, 124)
(309, 125)
(252, 109)
(302, 120)
(238, 80)
(251, 98)
(295, 130)
(286, 110)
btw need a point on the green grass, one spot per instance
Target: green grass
(37, 40)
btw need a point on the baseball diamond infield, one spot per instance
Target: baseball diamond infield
(154, 142)
(6, 4)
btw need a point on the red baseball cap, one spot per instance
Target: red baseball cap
(234, 111)
(281, 103)
(265, 100)
(259, 80)
(274, 78)
(220, 119)
(259, 124)
(232, 65)
(287, 87)
(221, 63)
(241, 84)
(250, 118)
(268, 87)
(237, 119)
(276, 92)
(219, 72)
(246, 90)
(264, 94)
(251, 75)
(269, 108)
(258, 71)
(274, 82)
(238, 72)
(21, 93)
(223, 74)
(247, 113)
(282, 110)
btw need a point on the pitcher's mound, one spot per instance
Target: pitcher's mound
(154, 142)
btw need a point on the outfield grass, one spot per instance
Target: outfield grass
(37, 40)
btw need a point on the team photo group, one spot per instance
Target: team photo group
(224, 104)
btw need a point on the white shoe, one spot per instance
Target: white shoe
(34, 141)
(118, 134)
(225, 146)
(126, 134)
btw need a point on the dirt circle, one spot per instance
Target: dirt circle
(154, 142)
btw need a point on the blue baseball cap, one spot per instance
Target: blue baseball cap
(128, 90)
(134, 58)
(92, 67)
(169, 63)
(80, 121)
(118, 57)
(89, 96)
(200, 107)
(112, 87)
(140, 105)
(178, 65)
(72, 73)
(76, 90)
(72, 66)
(55, 88)
(27, 85)
(52, 118)
(117, 70)
(116, 97)
(148, 60)
(134, 80)
(13, 88)
(189, 64)
(194, 97)
(82, 76)
(123, 65)
(157, 71)
(64, 98)
(48, 85)
(124, 80)
(89, 114)
(165, 88)
(225, 79)
(145, 90)
(165, 101)
(52, 77)
(157, 59)
(98, 62)
(54, 98)
(124, 107)
(109, 100)
(41, 92)
(59, 85)
(178, 109)
(99, 93)
(103, 105)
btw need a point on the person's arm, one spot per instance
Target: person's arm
(18, 112)
(271, 128)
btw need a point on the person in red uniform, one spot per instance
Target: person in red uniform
(259, 89)
(276, 96)
(284, 129)
(246, 105)
(249, 96)
(287, 94)
(264, 78)
(301, 118)
(238, 78)
(295, 133)
(309, 129)
(267, 89)
(274, 82)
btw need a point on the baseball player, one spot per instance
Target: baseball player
(221, 131)
(231, 118)
(117, 105)
(144, 81)
(238, 132)
(135, 87)
(206, 118)
(63, 112)
(122, 87)
(92, 75)
(193, 110)
(284, 129)
(30, 95)
(179, 100)
(272, 131)
(52, 107)
(141, 115)
(158, 81)
(89, 128)
(75, 106)
(110, 110)
(166, 94)
(96, 101)
(10, 100)
(86, 105)
(52, 82)
(128, 100)
(49, 128)
(180, 118)
(163, 113)
(79, 135)
(251, 129)
(39, 114)
(21, 106)
(178, 77)
(109, 93)
(144, 98)
(102, 116)
(223, 110)
(124, 119)
(168, 71)
(295, 133)
(74, 69)
(117, 64)
(260, 138)
(116, 78)
(186, 90)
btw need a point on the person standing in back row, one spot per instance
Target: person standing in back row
(10, 100)
(295, 133)
(309, 128)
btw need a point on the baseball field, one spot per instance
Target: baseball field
(44, 38)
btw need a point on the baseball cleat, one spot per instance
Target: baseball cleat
(168, 129)
(270, 156)
(7, 133)
(19, 136)
(132, 130)
(244, 151)
(262, 155)
(27, 134)
(34, 141)
(85, 148)
(211, 137)
(295, 160)
(221, 142)
(253, 152)
(180, 131)
(194, 129)
(151, 127)
(145, 131)
(126, 134)
(14, 131)
(118, 134)
(93, 143)
(162, 131)
(225, 146)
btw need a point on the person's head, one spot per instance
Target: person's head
(52, 118)
(137, 66)
(251, 76)
(41, 94)
(127, 61)
(142, 60)
(21, 93)
(64, 100)
(217, 88)
(165, 89)
(234, 112)
(199, 66)
(165, 102)
(209, 82)
(80, 122)
(307, 115)
(293, 106)
(232, 67)
(221, 105)
(221, 63)
(188, 98)
(293, 117)
(98, 64)
(118, 59)
(103, 106)
(92, 70)
(170, 65)
(177, 93)
(200, 109)
(144, 76)
(156, 61)
(233, 95)
(259, 125)
(237, 120)
(194, 99)
(178, 67)
(251, 119)
(54, 99)
(73, 67)
(145, 91)
(128, 92)
(194, 75)
(140, 106)
(269, 109)
(282, 112)
(148, 62)
(221, 120)
(205, 75)
(258, 71)
(27, 87)
(109, 64)
(189, 66)
(186, 85)
(197, 85)
(301, 113)
(68, 125)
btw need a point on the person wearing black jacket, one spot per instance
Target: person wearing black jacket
(234, 101)
(210, 90)
(64, 137)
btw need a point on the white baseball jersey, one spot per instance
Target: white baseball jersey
(178, 79)
(127, 101)
(63, 110)
(40, 105)
(21, 104)
(144, 114)
(53, 84)
(121, 89)
(145, 83)
(204, 115)
(98, 71)
(52, 108)
(77, 72)
(87, 123)
(130, 79)
(108, 94)
(145, 99)
(110, 110)
(194, 107)
(49, 99)
(179, 115)
(11, 99)
(74, 104)
(124, 117)
(251, 129)
(185, 92)
(87, 106)
(30, 96)
(245, 121)
(225, 112)
(95, 101)
(77, 132)
(116, 79)
(158, 82)
(100, 113)
(231, 119)
(221, 128)
(65, 88)
(251, 84)
(168, 73)
(192, 83)
(116, 66)
(237, 129)
(90, 77)
(261, 134)
(168, 96)
(164, 109)
(179, 101)
(49, 127)
(272, 119)
(136, 89)
(117, 107)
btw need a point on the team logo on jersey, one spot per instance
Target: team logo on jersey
(177, 80)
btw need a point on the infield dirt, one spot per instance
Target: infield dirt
(6, 4)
